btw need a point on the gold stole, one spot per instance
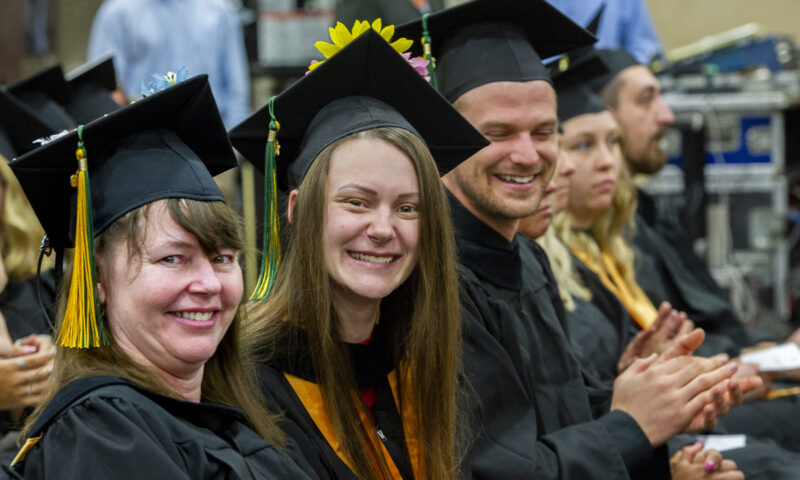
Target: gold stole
(311, 397)
(640, 307)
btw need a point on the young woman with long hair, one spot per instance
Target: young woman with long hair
(360, 335)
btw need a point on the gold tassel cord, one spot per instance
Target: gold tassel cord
(427, 53)
(83, 325)
(271, 247)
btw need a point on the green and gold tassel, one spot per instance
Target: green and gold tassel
(271, 247)
(426, 49)
(83, 324)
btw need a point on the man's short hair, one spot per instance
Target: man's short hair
(610, 93)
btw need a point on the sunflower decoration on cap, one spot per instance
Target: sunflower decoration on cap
(341, 36)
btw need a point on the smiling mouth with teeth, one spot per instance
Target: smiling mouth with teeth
(197, 316)
(370, 258)
(516, 179)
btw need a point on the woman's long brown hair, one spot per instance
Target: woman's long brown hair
(427, 336)
(225, 380)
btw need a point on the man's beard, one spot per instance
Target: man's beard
(649, 161)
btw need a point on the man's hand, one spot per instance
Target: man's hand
(666, 394)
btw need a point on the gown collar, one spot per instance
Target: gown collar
(209, 414)
(646, 207)
(371, 362)
(483, 250)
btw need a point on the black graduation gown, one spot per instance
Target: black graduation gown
(532, 412)
(600, 328)
(668, 269)
(604, 328)
(372, 363)
(20, 306)
(107, 427)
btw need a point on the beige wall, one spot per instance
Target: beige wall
(75, 22)
(683, 21)
(71, 22)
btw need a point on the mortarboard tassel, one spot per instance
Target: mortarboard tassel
(426, 48)
(83, 324)
(271, 247)
(563, 63)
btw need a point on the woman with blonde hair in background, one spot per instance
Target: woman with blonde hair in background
(600, 328)
(25, 345)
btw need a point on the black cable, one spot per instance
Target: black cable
(44, 250)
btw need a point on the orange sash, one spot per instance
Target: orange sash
(311, 397)
(640, 307)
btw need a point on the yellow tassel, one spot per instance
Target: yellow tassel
(82, 326)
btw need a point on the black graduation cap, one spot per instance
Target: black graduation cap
(486, 41)
(571, 79)
(616, 61)
(7, 149)
(584, 52)
(167, 145)
(46, 94)
(90, 87)
(20, 126)
(365, 85)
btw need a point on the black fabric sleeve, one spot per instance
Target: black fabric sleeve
(629, 439)
(503, 414)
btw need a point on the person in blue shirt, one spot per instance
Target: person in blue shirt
(625, 25)
(147, 36)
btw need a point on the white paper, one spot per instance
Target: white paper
(722, 443)
(775, 359)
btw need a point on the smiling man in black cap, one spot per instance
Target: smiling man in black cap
(535, 416)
